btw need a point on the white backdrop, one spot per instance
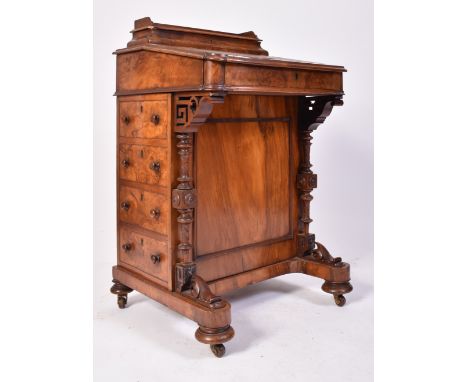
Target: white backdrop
(332, 32)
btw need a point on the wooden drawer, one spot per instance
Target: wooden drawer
(143, 119)
(144, 164)
(144, 253)
(149, 210)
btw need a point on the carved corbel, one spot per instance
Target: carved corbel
(312, 112)
(201, 291)
(320, 253)
(191, 111)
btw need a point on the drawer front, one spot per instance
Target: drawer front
(149, 210)
(144, 253)
(144, 164)
(143, 119)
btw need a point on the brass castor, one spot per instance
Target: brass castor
(218, 350)
(121, 291)
(340, 300)
(122, 301)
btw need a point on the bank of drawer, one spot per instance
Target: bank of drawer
(149, 210)
(144, 164)
(143, 119)
(144, 253)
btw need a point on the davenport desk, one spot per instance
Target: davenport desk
(214, 179)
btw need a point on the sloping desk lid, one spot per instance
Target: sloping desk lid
(218, 61)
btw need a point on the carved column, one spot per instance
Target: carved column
(184, 199)
(312, 111)
(191, 111)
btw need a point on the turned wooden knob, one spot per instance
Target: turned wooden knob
(155, 119)
(155, 166)
(125, 205)
(155, 213)
(127, 247)
(156, 258)
(125, 162)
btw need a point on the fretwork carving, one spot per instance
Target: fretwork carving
(191, 111)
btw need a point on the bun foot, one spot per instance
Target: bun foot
(340, 300)
(337, 289)
(215, 338)
(218, 350)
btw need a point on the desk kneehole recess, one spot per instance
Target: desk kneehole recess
(214, 177)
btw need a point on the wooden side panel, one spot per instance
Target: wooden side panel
(142, 71)
(243, 184)
(245, 170)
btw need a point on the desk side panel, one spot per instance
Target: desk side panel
(246, 159)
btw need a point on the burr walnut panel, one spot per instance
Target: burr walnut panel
(243, 76)
(244, 198)
(144, 164)
(143, 119)
(143, 70)
(149, 210)
(144, 253)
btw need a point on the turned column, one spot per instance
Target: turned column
(184, 199)
(312, 111)
(306, 182)
(191, 111)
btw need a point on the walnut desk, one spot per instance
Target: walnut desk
(214, 179)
